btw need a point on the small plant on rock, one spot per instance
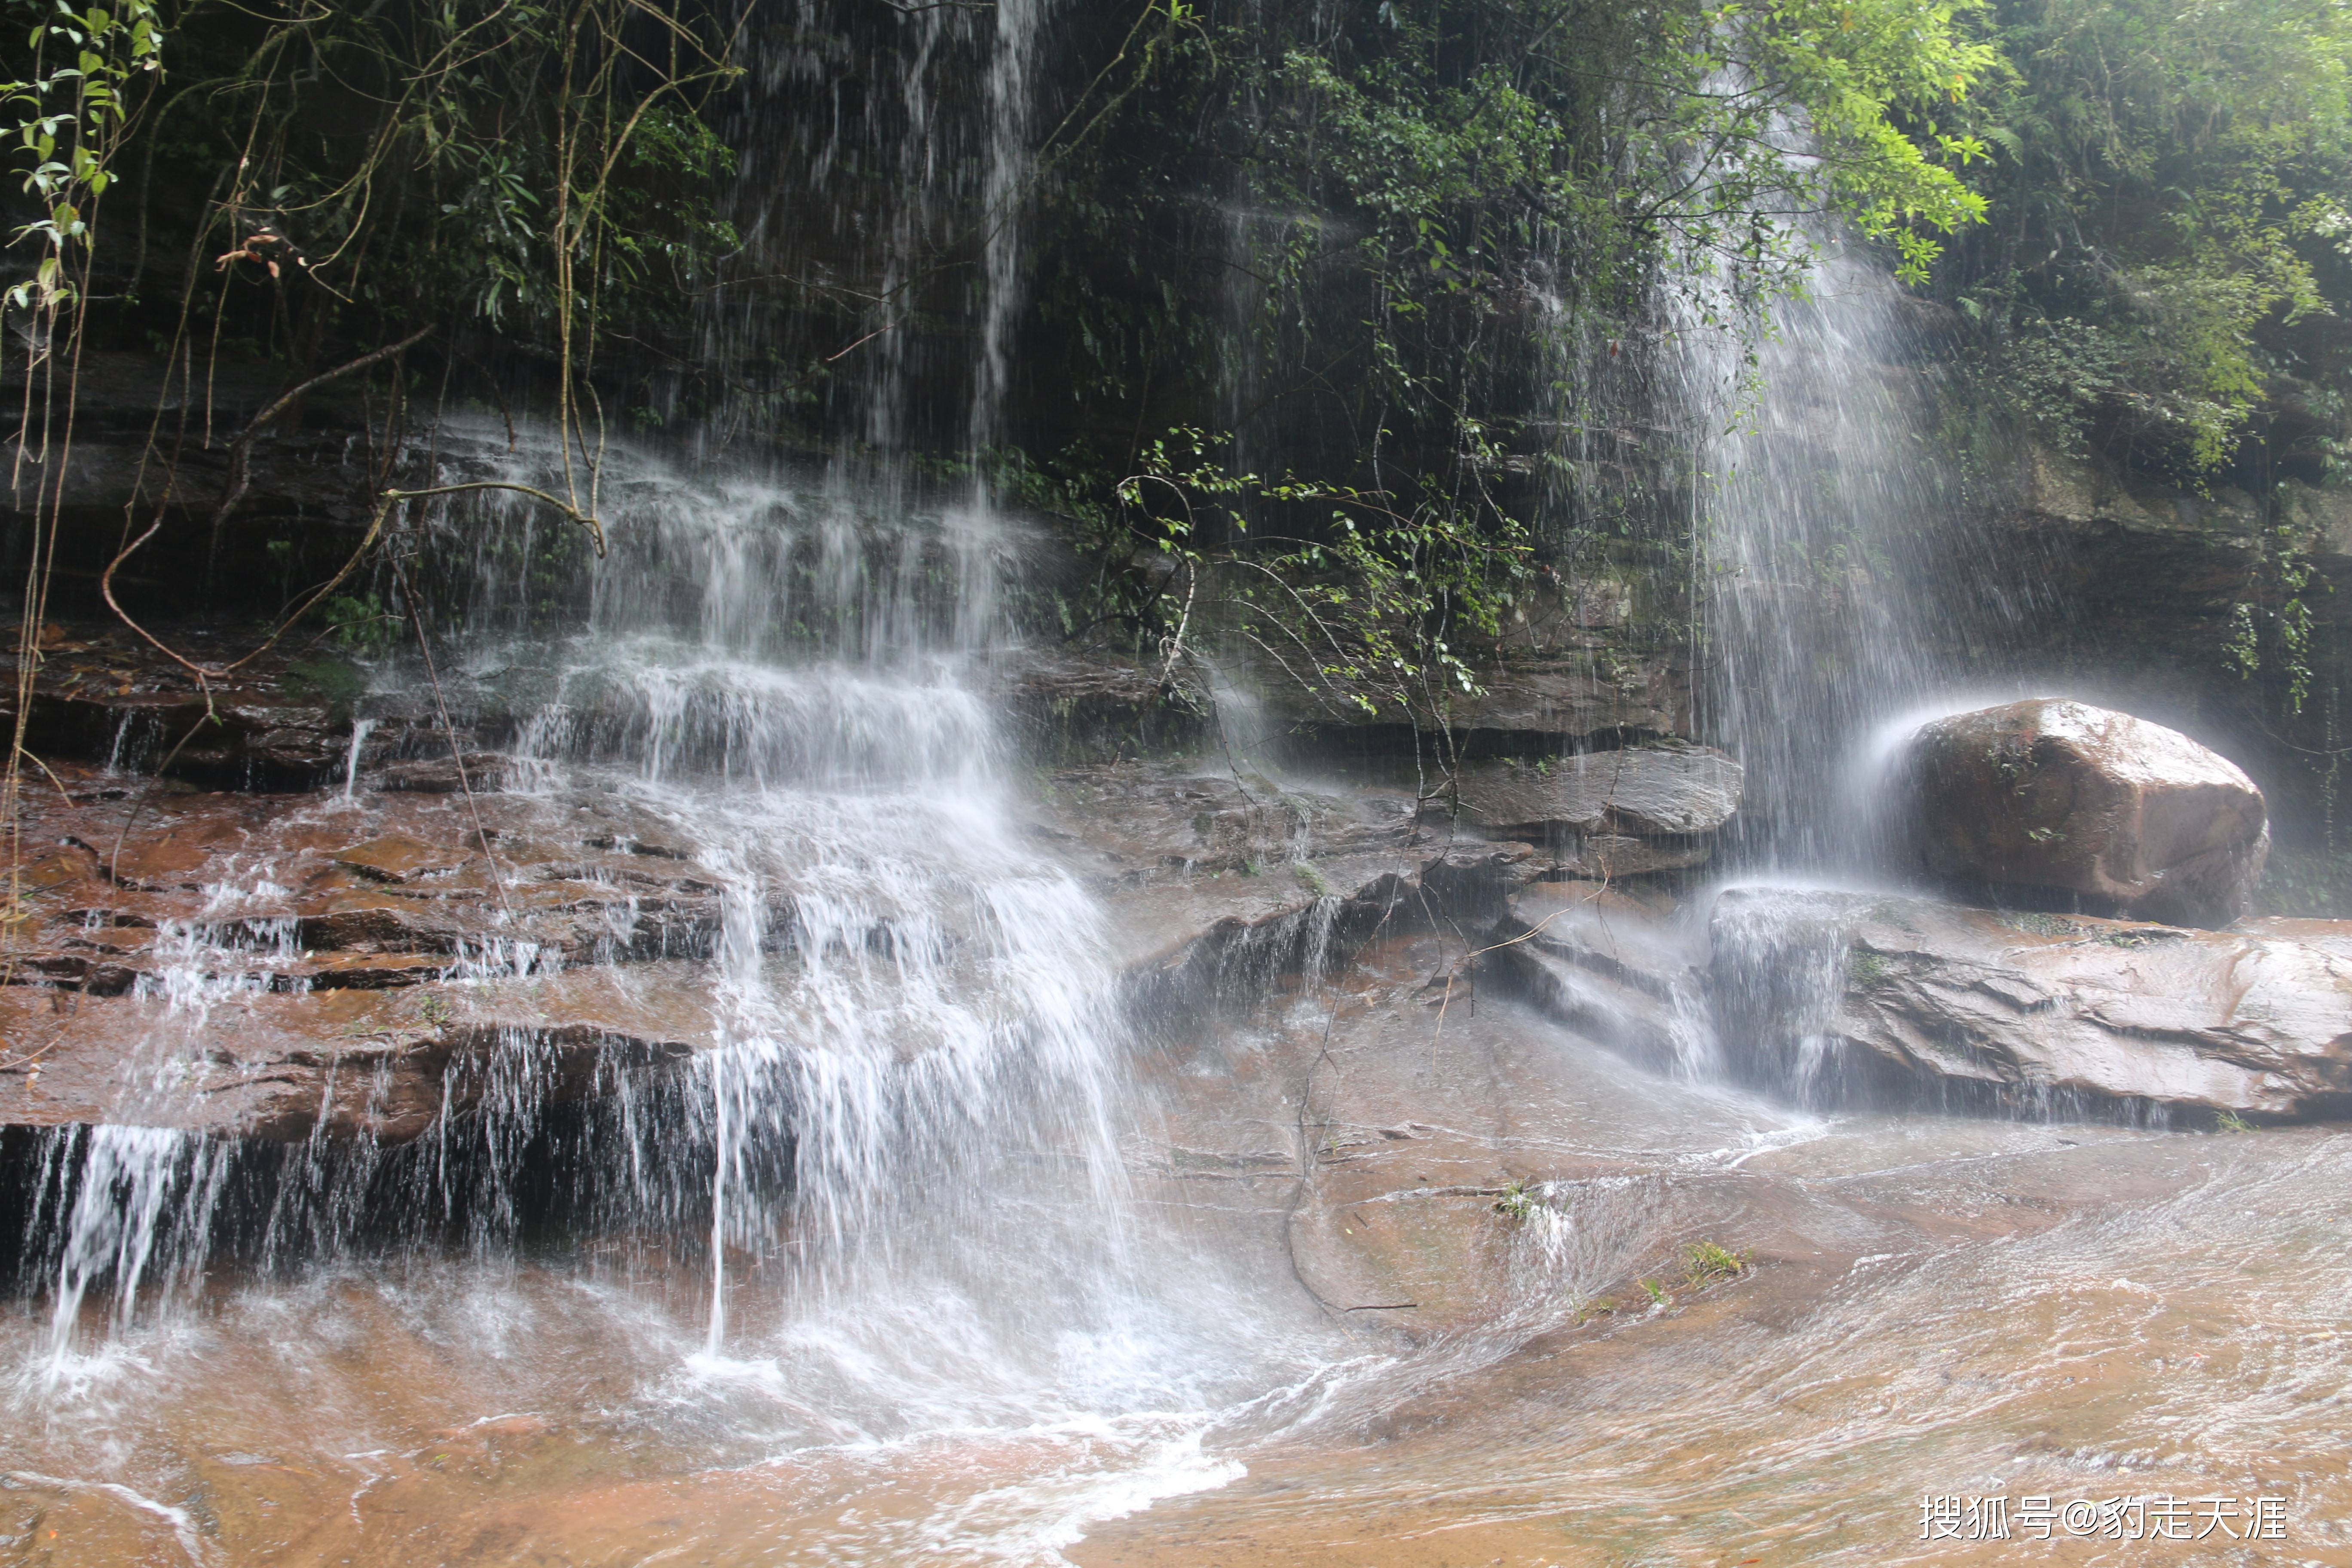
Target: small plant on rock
(1707, 1263)
(1864, 967)
(1517, 1202)
(2035, 922)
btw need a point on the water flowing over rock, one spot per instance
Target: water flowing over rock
(2057, 795)
(1845, 997)
(1613, 966)
(843, 1031)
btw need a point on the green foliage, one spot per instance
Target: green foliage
(1362, 611)
(1864, 967)
(1708, 1263)
(2169, 189)
(1517, 1202)
(2036, 923)
(2240, 652)
(330, 680)
(540, 172)
(70, 111)
(1455, 171)
(2276, 627)
(360, 622)
(1434, 228)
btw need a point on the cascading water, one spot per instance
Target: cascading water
(1844, 597)
(902, 992)
(902, 1140)
(1825, 617)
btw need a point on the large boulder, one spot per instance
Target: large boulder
(1837, 997)
(2111, 813)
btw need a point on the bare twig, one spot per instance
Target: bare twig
(456, 753)
(244, 436)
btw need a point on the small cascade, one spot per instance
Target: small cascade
(361, 729)
(1777, 975)
(896, 1159)
(128, 1208)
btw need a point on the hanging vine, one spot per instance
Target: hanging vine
(71, 113)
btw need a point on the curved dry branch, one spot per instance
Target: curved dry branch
(244, 436)
(205, 674)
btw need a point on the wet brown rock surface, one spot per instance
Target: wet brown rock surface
(267, 964)
(1610, 962)
(272, 964)
(1902, 998)
(1663, 789)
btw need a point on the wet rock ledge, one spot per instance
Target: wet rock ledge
(1885, 997)
(283, 908)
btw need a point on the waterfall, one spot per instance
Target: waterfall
(907, 999)
(888, 164)
(1818, 506)
(903, 1135)
(900, 1142)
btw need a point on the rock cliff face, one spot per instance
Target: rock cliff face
(428, 920)
(376, 939)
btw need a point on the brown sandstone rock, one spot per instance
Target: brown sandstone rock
(2054, 794)
(1609, 963)
(1661, 790)
(1841, 997)
(1589, 687)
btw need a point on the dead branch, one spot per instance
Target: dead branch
(205, 674)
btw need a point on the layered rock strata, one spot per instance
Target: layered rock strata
(1636, 809)
(1847, 997)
